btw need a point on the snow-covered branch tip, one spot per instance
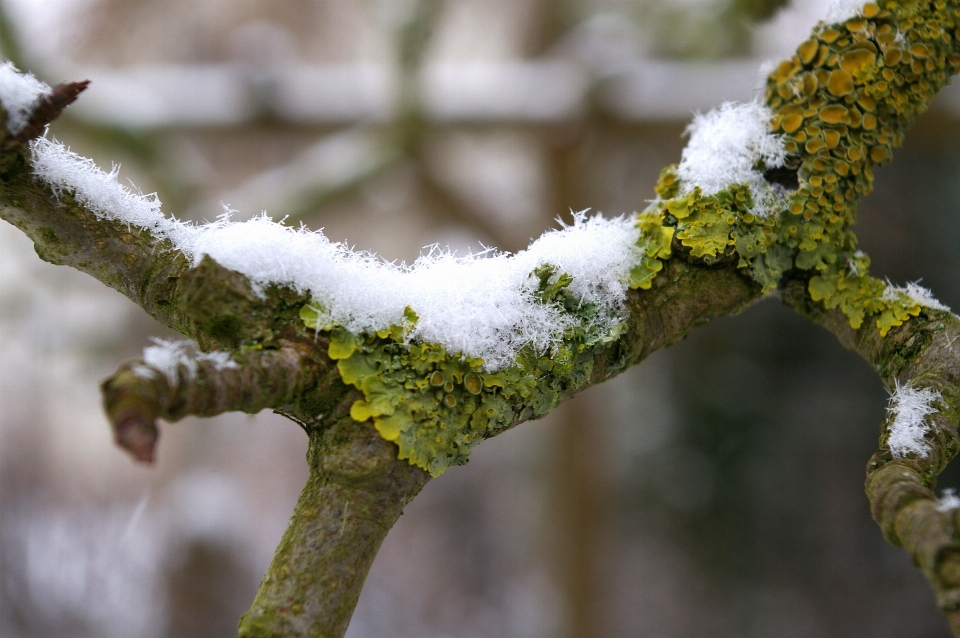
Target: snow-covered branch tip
(20, 94)
(31, 104)
(910, 408)
(174, 379)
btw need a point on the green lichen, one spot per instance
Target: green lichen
(714, 227)
(437, 405)
(655, 243)
(842, 103)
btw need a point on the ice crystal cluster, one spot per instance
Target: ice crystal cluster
(19, 93)
(730, 145)
(910, 408)
(916, 293)
(482, 305)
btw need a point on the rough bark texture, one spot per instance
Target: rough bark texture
(356, 491)
(136, 395)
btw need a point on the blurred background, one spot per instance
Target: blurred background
(713, 491)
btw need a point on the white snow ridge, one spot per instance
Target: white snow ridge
(916, 293)
(167, 357)
(480, 305)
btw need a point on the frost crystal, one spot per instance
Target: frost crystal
(481, 305)
(949, 500)
(843, 10)
(18, 94)
(732, 145)
(910, 407)
(99, 191)
(917, 293)
(167, 357)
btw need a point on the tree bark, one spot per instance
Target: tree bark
(356, 491)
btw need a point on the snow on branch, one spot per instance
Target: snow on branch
(482, 305)
(19, 94)
(916, 293)
(65, 171)
(910, 407)
(167, 357)
(732, 145)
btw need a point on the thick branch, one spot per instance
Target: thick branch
(358, 487)
(356, 491)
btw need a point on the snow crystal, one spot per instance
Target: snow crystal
(917, 293)
(480, 305)
(726, 145)
(843, 10)
(924, 297)
(910, 407)
(19, 92)
(949, 500)
(167, 357)
(98, 190)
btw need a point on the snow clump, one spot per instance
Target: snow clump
(948, 501)
(482, 305)
(63, 170)
(910, 407)
(725, 148)
(19, 92)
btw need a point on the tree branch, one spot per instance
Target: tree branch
(128, 259)
(356, 491)
(706, 253)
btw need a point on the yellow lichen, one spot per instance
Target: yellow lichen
(842, 103)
